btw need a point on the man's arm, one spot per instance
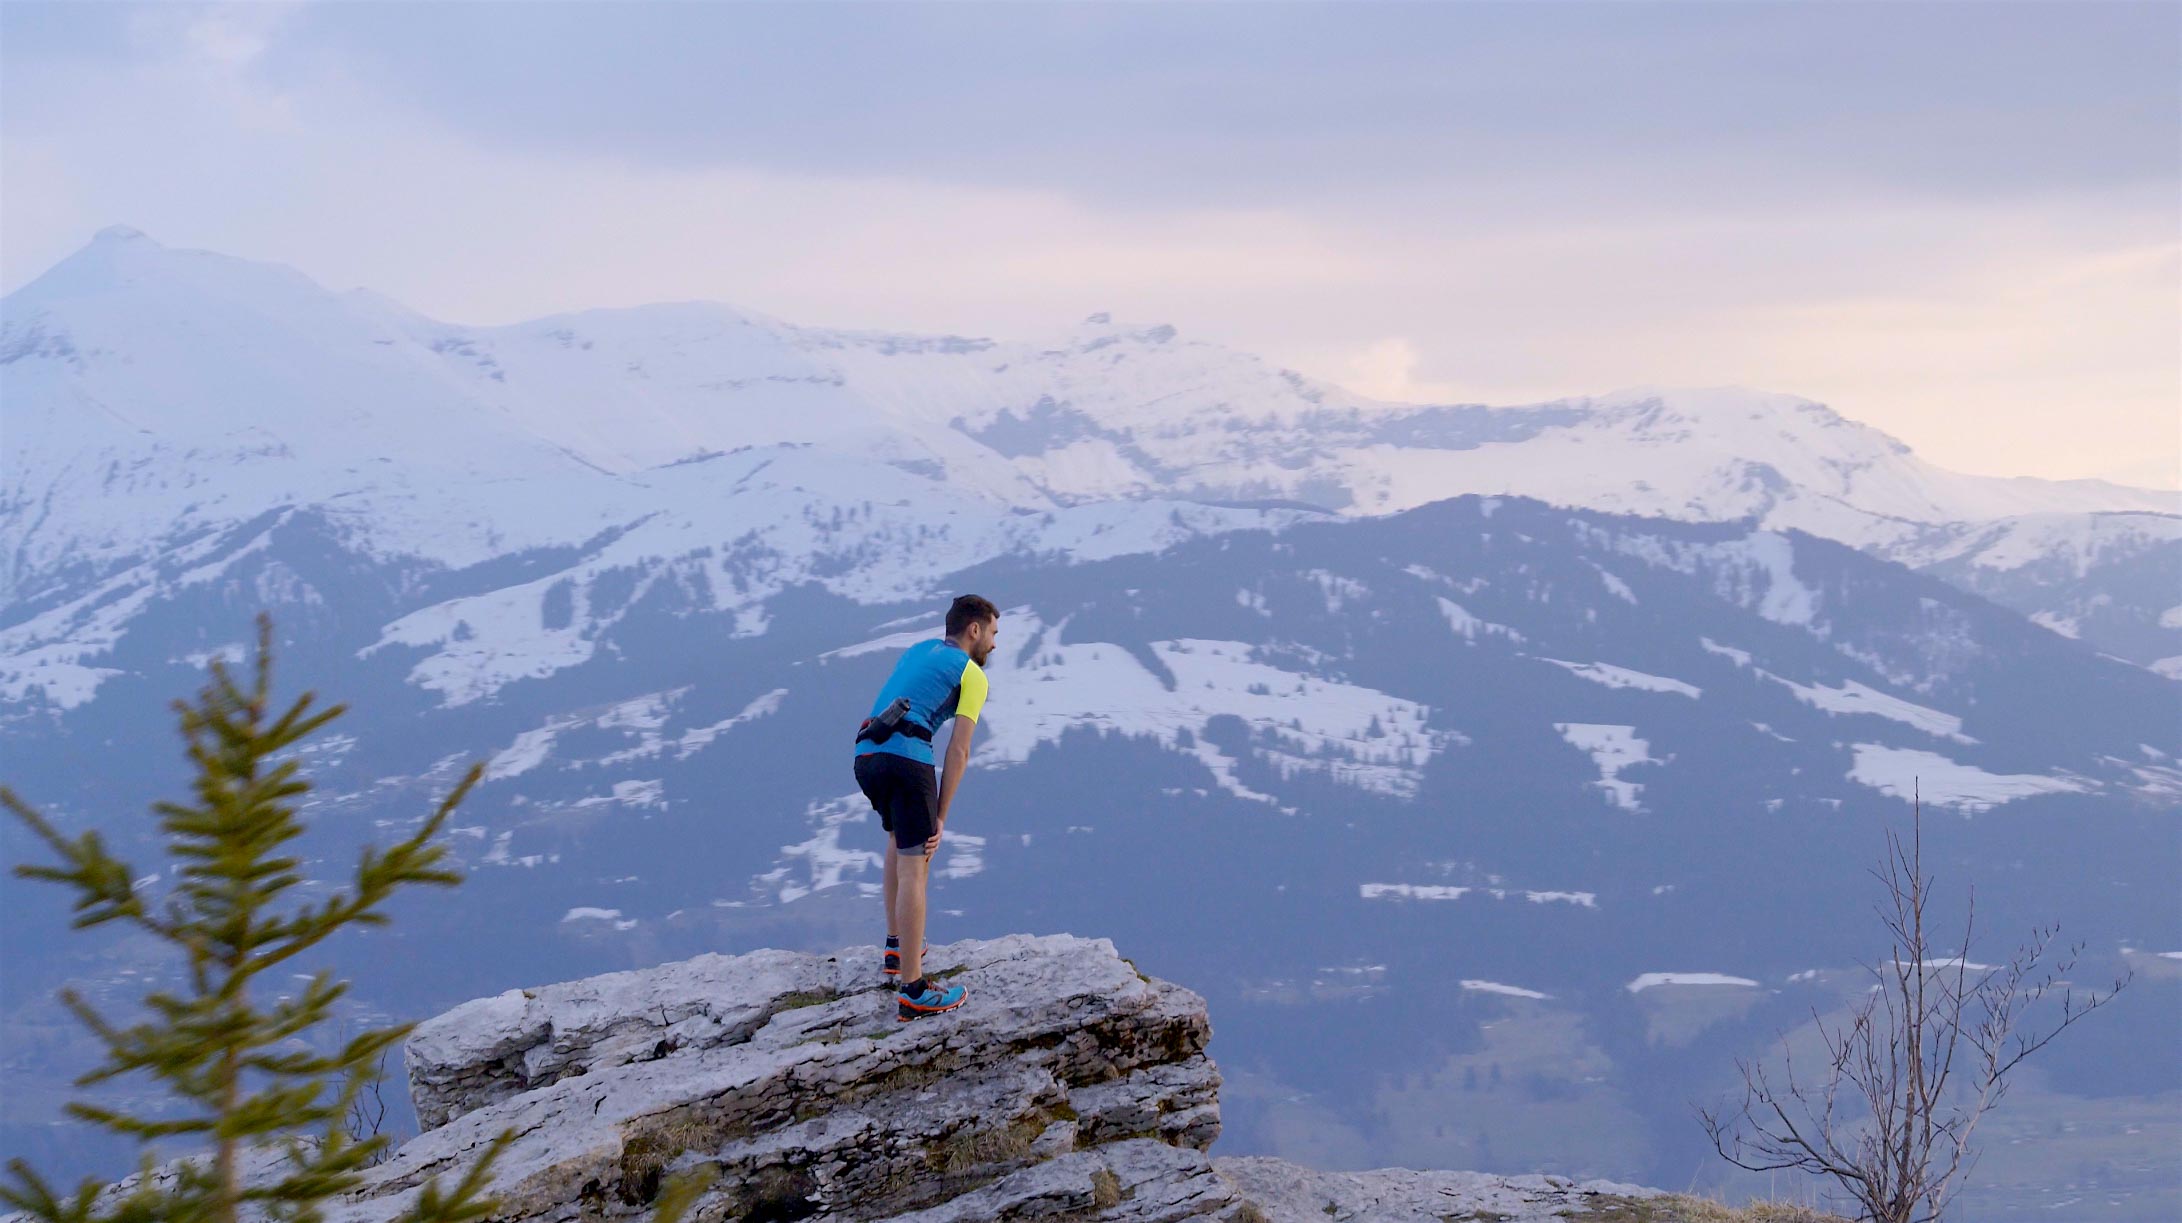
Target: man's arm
(958, 759)
(969, 703)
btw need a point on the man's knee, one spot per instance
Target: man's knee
(911, 861)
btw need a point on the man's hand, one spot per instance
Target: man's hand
(932, 846)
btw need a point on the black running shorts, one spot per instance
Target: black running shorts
(905, 793)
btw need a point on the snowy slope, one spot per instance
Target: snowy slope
(2113, 580)
(726, 534)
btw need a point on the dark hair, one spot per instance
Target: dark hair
(968, 610)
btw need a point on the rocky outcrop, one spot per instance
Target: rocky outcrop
(1071, 1086)
(1294, 1194)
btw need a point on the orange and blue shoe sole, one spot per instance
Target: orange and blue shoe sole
(906, 1010)
(893, 963)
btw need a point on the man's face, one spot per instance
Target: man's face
(981, 635)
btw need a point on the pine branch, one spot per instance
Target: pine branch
(467, 1201)
(104, 884)
(249, 1069)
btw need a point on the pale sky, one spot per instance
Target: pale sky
(1959, 222)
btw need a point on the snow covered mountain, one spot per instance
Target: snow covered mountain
(155, 395)
(1273, 701)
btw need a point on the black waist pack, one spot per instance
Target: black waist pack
(892, 721)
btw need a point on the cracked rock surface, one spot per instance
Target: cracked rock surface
(1070, 1087)
(1069, 1084)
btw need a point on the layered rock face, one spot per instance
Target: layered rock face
(1070, 1086)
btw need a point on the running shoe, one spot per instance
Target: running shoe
(931, 1001)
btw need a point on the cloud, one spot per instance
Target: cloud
(1386, 369)
(2014, 333)
(1526, 110)
(232, 36)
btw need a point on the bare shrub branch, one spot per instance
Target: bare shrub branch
(1912, 1067)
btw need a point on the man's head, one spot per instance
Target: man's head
(972, 623)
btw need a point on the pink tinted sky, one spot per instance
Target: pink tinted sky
(1957, 222)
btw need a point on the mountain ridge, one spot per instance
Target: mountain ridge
(795, 345)
(155, 394)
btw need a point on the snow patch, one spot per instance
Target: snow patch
(640, 717)
(586, 913)
(1740, 657)
(1949, 962)
(1338, 591)
(964, 855)
(2066, 626)
(1495, 987)
(628, 794)
(892, 641)
(1614, 585)
(1612, 676)
(698, 737)
(529, 750)
(1852, 698)
(1588, 900)
(1470, 627)
(1903, 772)
(1648, 980)
(823, 859)
(1612, 748)
(1435, 891)
(1410, 891)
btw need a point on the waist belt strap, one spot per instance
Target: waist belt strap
(872, 732)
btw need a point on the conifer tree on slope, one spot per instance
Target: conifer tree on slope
(235, 1061)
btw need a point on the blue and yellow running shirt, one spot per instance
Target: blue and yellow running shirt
(941, 683)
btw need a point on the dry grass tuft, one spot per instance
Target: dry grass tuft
(647, 1152)
(967, 1150)
(1105, 1189)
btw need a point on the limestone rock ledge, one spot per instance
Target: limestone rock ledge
(1070, 1087)
(1070, 1083)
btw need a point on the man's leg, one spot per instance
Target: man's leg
(909, 910)
(893, 885)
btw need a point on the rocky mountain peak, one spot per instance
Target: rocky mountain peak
(121, 234)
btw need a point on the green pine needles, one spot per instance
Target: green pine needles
(253, 1089)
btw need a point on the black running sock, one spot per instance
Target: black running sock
(913, 988)
(893, 942)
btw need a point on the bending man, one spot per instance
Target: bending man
(933, 682)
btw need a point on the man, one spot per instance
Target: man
(934, 681)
